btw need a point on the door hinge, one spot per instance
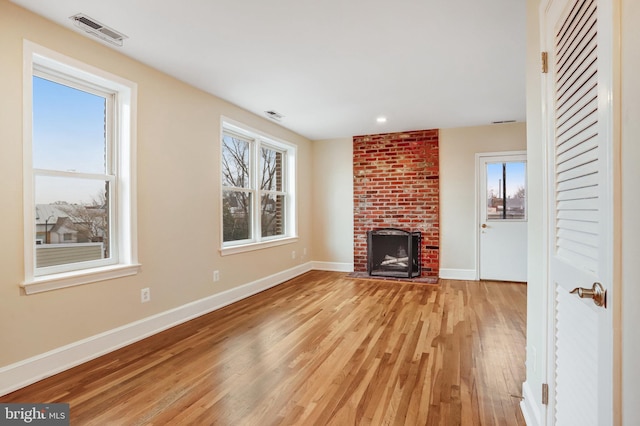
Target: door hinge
(545, 63)
(545, 394)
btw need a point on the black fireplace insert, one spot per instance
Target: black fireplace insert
(393, 253)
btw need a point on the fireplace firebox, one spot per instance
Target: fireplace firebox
(393, 252)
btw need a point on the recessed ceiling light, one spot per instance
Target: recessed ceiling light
(381, 119)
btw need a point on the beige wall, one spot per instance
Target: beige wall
(458, 147)
(333, 201)
(178, 201)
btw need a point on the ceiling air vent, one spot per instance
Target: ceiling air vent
(95, 28)
(274, 115)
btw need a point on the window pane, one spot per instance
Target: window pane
(236, 215)
(235, 162)
(506, 198)
(515, 189)
(68, 128)
(72, 220)
(271, 169)
(272, 209)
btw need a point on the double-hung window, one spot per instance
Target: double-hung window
(79, 191)
(258, 202)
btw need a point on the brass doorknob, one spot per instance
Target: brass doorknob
(597, 293)
(484, 225)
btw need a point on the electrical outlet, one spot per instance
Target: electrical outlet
(293, 254)
(216, 275)
(145, 295)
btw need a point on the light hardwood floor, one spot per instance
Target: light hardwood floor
(321, 349)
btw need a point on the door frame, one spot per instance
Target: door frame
(610, 115)
(479, 201)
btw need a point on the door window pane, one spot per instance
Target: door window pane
(506, 190)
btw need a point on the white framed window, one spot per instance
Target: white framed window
(258, 189)
(79, 172)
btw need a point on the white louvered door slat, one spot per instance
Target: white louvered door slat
(577, 134)
(579, 90)
(586, 227)
(583, 157)
(579, 219)
(587, 181)
(588, 143)
(584, 238)
(591, 217)
(577, 193)
(579, 172)
(572, 205)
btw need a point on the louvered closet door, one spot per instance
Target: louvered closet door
(580, 206)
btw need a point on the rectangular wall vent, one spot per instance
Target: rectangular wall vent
(97, 29)
(274, 115)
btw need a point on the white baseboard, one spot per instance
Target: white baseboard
(31, 370)
(333, 266)
(530, 409)
(458, 274)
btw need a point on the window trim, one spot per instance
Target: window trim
(36, 57)
(258, 140)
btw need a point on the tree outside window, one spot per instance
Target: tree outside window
(254, 189)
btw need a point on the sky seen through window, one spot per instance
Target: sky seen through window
(68, 136)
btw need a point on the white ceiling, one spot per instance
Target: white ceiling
(331, 67)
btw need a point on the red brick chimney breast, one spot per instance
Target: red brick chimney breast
(396, 185)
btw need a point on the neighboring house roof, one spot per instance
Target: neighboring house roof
(48, 213)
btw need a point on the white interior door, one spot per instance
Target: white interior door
(503, 216)
(577, 36)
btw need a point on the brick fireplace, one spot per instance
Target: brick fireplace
(396, 185)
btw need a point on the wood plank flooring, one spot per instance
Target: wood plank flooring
(321, 349)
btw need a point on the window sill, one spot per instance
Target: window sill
(225, 251)
(70, 279)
